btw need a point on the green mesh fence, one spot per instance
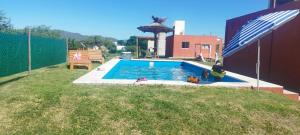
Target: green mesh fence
(14, 52)
(47, 51)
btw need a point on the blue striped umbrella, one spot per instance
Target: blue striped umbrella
(256, 29)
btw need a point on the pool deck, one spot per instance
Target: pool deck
(95, 78)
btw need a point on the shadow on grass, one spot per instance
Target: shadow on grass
(12, 80)
(53, 67)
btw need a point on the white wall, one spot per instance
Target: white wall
(161, 48)
(120, 48)
(151, 45)
(179, 27)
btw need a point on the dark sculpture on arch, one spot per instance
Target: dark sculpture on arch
(158, 19)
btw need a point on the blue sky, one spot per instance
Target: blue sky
(120, 18)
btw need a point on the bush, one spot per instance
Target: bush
(131, 49)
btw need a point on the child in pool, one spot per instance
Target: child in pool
(205, 75)
(218, 72)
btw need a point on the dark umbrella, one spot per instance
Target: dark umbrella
(156, 27)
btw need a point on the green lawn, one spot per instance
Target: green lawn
(46, 102)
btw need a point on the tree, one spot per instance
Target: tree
(121, 42)
(110, 46)
(131, 49)
(131, 41)
(143, 46)
(99, 41)
(44, 30)
(131, 46)
(73, 44)
(4, 22)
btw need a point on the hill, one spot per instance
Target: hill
(78, 36)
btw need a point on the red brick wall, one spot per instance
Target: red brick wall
(169, 46)
(280, 51)
(174, 46)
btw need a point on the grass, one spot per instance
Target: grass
(47, 102)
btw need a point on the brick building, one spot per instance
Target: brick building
(191, 46)
(180, 45)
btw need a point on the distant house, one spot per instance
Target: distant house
(279, 49)
(192, 46)
(119, 47)
(180, 45)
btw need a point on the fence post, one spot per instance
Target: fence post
(29, 51)
(137, 47)
(67, 47)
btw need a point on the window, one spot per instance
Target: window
(185, 45)
(205, 46)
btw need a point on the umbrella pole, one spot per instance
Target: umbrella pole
(258, 63)
(155, 45)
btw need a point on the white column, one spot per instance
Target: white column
(161, 44)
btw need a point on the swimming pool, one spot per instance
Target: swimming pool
(159, 70)
(162, 72)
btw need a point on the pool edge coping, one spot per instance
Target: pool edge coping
(95, 77)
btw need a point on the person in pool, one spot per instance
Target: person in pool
(217, 71)
(205, 75)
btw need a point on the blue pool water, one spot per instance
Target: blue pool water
(158, 70)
